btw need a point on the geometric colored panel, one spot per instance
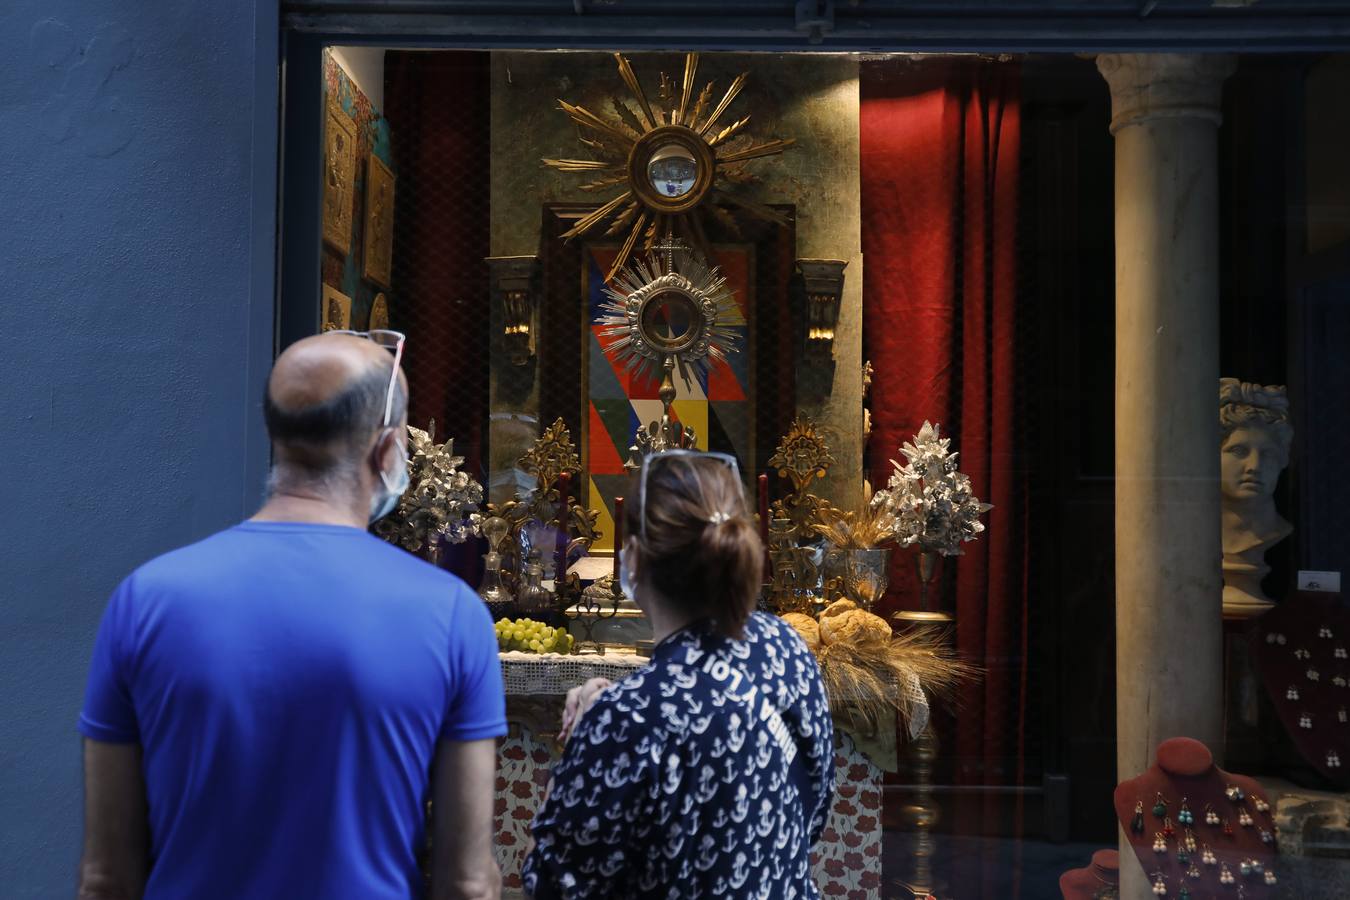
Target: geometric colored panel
(718, 404)
(694, 414)
(617, 419)
(605, 384)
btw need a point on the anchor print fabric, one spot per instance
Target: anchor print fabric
(707, 773)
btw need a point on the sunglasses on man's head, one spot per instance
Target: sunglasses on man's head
(393, 342)
(653, 460)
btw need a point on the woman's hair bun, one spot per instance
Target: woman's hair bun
(701, 550)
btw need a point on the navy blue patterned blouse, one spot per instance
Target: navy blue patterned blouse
(706, 773)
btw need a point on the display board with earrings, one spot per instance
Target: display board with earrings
(1195, 828)
(1302, 652)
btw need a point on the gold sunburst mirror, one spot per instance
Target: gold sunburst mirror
(671, 163)
(669, 311)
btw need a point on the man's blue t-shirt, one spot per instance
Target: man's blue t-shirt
(288, 684)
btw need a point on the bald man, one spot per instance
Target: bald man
(269, 709)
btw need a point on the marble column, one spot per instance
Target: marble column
(1169, 629)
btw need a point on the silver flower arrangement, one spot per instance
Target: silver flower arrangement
(928, 501)
(440, 501)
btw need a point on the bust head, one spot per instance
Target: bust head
(1256, 437)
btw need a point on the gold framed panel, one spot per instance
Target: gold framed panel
(377, 257)
(339, 179)
(335, 311)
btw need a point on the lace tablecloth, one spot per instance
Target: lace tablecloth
(555, 674)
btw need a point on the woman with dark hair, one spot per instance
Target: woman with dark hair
(708, 772)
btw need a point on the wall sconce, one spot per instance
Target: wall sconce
(512, 281)
(824, 283)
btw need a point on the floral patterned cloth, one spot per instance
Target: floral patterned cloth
(707, 773)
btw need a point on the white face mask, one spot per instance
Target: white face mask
(390, 488)
(626, 582)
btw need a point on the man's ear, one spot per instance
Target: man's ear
(379, 454)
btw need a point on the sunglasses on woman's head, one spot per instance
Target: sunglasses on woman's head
(663, 458)
(392, 341)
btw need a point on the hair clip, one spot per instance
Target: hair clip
(718, 518)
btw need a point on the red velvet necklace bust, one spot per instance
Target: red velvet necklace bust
(1101, 879)
(1197, 829)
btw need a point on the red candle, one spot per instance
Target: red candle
(564, 489)
(764, 509)
(618, 534)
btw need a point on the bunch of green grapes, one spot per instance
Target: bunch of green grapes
(532, 637)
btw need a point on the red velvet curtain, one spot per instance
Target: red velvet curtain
(939, 156)
(441, 219)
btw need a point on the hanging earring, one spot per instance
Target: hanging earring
(1159, 842)
(1168, 831)
(1159, 885)
(1260, 804)
(1211, 817)
(1270, 877)
(1193, 872)
(1207, 857)
(1184, 815)
(1137, 822)
(1227, 828)
(1267, 837)
(1189, 841)
(1245, 819)
(1184, 893)
(1159, 807)
(1341, 716)
(1245, 868)
(1226, 875)
(1258, 867)
(1183, 858)
(1234, 793)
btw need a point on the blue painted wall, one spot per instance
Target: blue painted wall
(137, 189)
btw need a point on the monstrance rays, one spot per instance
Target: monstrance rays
(677, 127)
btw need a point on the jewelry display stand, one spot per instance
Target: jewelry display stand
(1197, 830)
(1302, 650)
(1097, 881)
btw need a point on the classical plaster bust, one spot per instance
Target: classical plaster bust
(1256, 436)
